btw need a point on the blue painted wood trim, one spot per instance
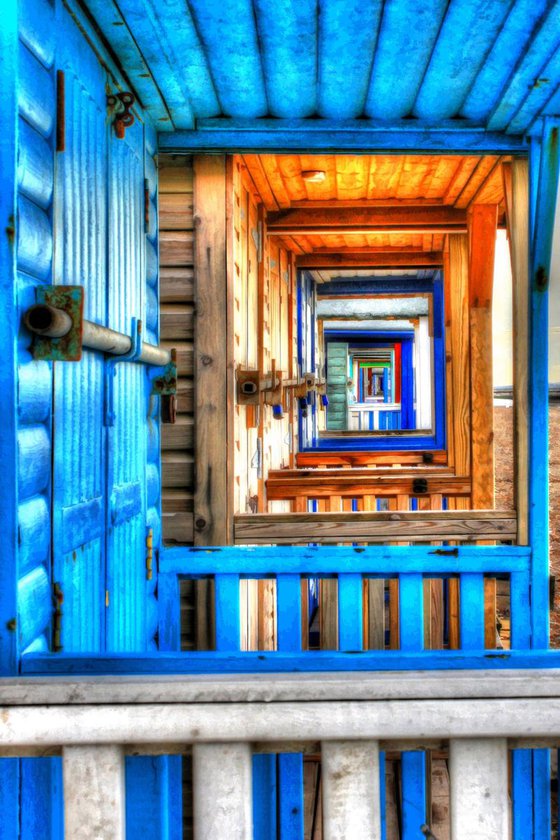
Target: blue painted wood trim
(408, 420)
(339, 136)
(254, 561)
(252, 662)
(8, 334)
(543, 173)
(289, 766)
(377, 285)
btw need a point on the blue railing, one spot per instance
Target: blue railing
(349, 565)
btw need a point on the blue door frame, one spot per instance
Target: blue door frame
(437, 440)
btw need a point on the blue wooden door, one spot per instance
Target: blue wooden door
(126, 431)
(79, 470)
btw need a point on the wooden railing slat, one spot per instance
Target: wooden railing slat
(471, 611)
(93, 778)
(228, 612)
(222, 792)
(370, 525)
(350, 612)
(478, 769)
(351, 795)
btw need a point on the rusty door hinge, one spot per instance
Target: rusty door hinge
(58, 600)
(60, 112)
(119, 105)
(149, 553)
(146, 206)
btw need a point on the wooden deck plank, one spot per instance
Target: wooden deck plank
(374, 526)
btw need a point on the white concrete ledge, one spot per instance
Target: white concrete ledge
(173, 725)
(235, 688)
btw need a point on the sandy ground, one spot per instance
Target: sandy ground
(503, 436)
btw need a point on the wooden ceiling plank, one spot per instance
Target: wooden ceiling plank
(460, 178)
(290, 170)
(274, 177)
(351, 177)
(254, 166)
(396, 220)
(368, 202)
(371, 259)
(491, 190)
(483, 169)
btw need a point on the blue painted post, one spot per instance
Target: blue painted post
(407, 386)
(544, 165)
(471, 612)
(543, 174)
(413, 764)
(290, 766)
(350, 612)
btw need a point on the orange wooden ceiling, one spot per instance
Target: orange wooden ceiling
(453, 181)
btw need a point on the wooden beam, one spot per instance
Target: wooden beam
(366, 136)
(320, 485)
(370, 258)
(516, 191)
(368, 202)
(374, 527)
(482, 241)
(458, 324)
(366, 459)
(211, 352)
(404, 219)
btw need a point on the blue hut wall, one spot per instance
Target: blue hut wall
(81, 496)
(83, 220)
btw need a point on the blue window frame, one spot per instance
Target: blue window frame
(436, 438)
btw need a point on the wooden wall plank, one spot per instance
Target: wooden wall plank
(517, 211)
(175, 183)
(482, 240)
(211, 490)
(459, 323)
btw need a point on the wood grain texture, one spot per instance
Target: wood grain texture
(460, 359)
(211, 491)
(482, 240)
(175, 183)
(518, 226)
(416, 526)
(365, 459)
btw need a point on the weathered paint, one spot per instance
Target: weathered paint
(494, 63)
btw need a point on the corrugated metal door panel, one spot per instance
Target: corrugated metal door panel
(153, 505)
(80, 259)
(127, 443)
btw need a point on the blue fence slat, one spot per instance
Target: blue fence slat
(350, 612)
(169, 613)
(288, 610)
(471, 611)
(521, 760)
(520, 610)
(265, 797)
(380, 560)
(411, 612)
(250, 662)
(290, 766)
(413, 764)
(152, 783)
(522, 794)
(228, 612)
